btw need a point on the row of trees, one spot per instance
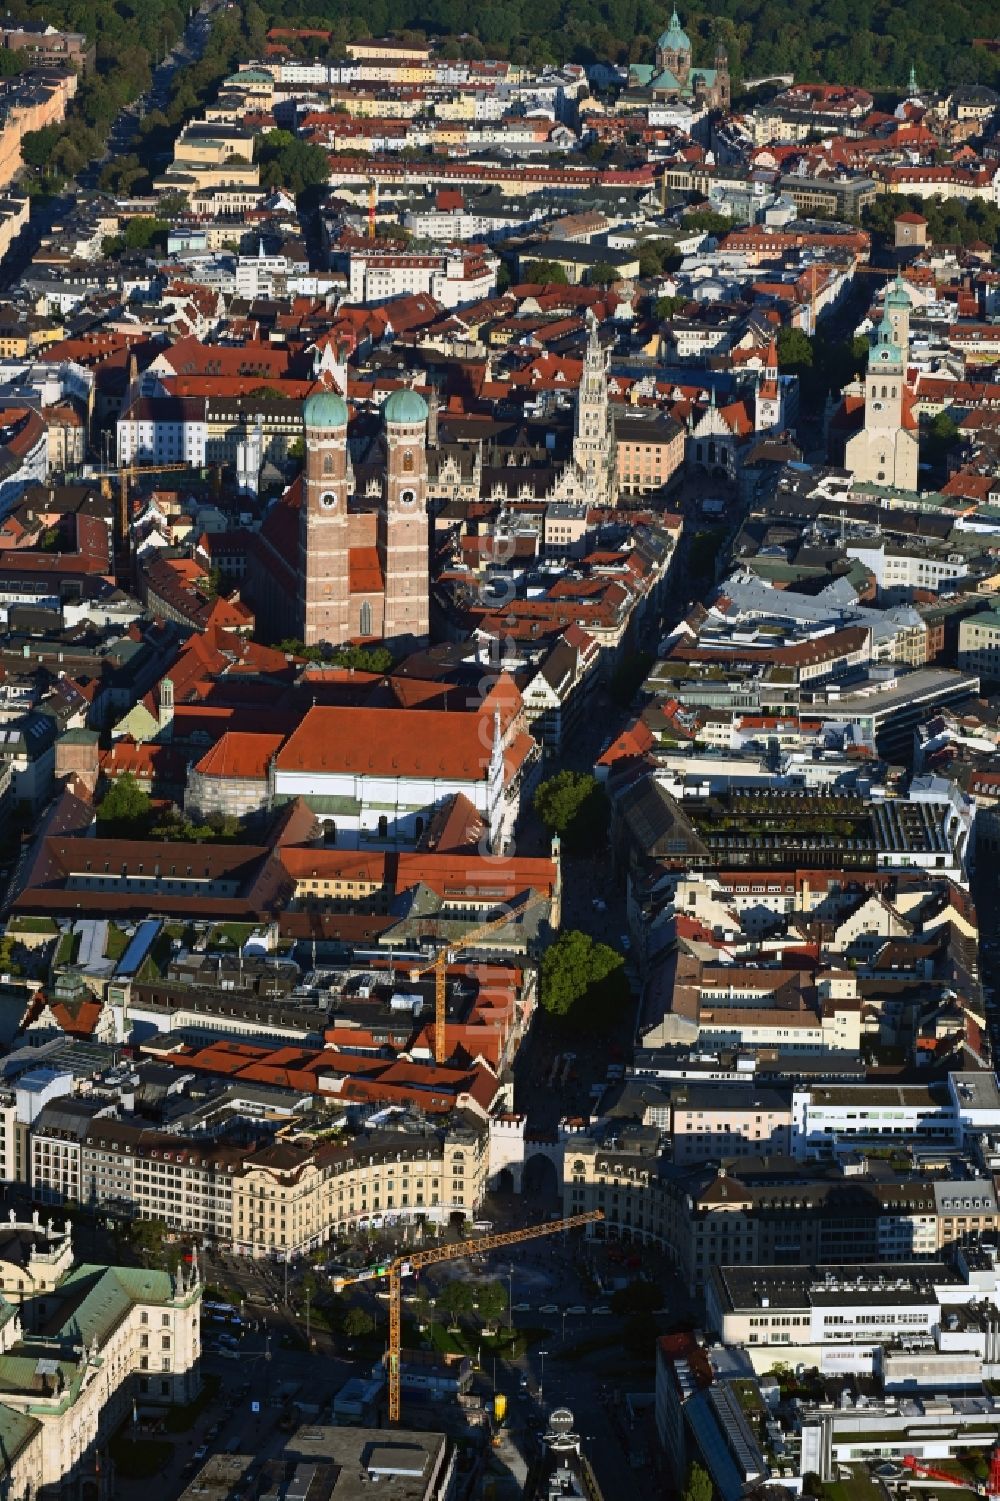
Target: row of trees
(362, 658)
(132, 37)
(949, 221)
(836, 40)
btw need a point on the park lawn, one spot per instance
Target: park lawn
(234, 934)
(116, 944)
(507, 1345)
(69, 947)
(858, 1487)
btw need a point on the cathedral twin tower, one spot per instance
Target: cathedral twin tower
(364, 573)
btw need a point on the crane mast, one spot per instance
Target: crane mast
(401, 1265)
(439, 964)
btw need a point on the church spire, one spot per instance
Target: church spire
(593, 441)
(769, 375)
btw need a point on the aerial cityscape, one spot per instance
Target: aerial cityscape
(499, 751)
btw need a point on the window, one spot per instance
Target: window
(383, 826)
(365, 620)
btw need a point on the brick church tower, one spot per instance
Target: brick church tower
(403, 536)
(324, 546)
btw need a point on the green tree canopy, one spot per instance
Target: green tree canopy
(708, 221)
(666, 307)
(544, 273)
(580, 975)
(456, 1298)
(124, 808)
(143, 232)
(602, 274)
(358, 1322)
(491, 1301)
(638, 1297)
(363, 658)
(795, 351)
(286, 162)
(699, 1484)
(940, 436)
(572, 804)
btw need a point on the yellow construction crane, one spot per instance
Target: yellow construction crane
(123, 476)
(395, 1271)
(439, 964)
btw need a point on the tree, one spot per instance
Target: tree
(12, 62)
(8, 964)
(572, 804)
(37, 146)
(363, 658)
(293, 646)
(287, 162)
(456, 1298)
(699, 1484)
(666, 307)
(147, 1237)
(124, 807)
(144, 231)
(795, 351)
(171, 205)
(358, 1322)
(491, 1301)
(545, 273)
(579, 974)
(707, 221)
(603, 274)
(638, 1297)
(942, 434)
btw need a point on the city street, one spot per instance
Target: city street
(230, 1422)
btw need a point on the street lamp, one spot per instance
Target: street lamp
(564, 1326)
(541, 1377)
(510, 1297)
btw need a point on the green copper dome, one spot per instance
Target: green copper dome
(885, 351)
(325, 409)
(675, 38)
(406, 406)
(898, 296)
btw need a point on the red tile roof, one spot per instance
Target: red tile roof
(240, 755)
(365, 571)
(389, 742)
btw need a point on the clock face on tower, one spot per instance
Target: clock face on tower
(328, 501)
(407, 497)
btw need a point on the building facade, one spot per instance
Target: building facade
(360, 569)
(886, 450)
